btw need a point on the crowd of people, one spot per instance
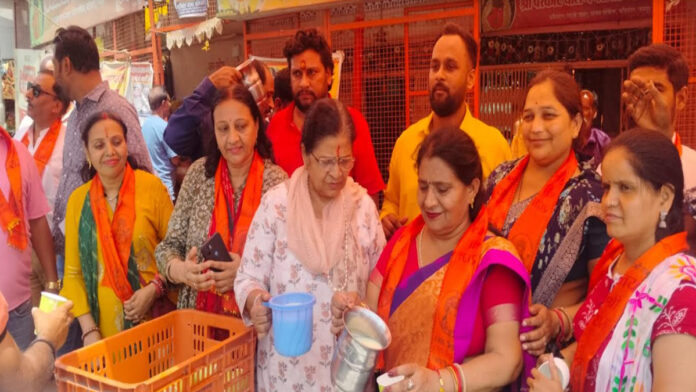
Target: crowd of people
(485, 260)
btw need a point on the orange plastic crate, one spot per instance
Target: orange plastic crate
(178, 352)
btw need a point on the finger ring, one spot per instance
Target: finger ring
(410, 384)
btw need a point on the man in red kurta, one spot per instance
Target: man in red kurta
(311, 70)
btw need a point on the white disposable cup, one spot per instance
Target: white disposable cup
(562, 368)
(386, 380)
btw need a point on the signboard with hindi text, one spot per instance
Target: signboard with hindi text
(511, 15)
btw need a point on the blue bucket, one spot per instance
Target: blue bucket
(293, 319)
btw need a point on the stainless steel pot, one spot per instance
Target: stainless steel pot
(365, 335)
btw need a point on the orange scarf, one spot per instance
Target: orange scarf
(43, 154)
(460, 270)
(609, 313)
(527, 231)
(12, 212)
(224, 206)
(678, 143)
(115, 237)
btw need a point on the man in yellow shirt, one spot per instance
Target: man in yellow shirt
(452, 74)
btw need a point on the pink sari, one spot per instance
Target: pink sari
(415, 300)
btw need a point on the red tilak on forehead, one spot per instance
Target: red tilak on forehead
(338, 151)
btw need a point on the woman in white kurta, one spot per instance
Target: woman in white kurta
(318, 232)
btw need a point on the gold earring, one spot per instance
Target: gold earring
(471, 205)
(89, 163)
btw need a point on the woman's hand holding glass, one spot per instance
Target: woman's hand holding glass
(416, 378)
(538, 382)
(260, 315)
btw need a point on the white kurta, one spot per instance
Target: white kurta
(267, 263)
(54, 167)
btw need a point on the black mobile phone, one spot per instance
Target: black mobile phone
(215, 249)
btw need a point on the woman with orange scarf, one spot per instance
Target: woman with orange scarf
(220, 194)
(113, 223)
(452, 293)
(636, 331)
(547, 205)
(317, 232)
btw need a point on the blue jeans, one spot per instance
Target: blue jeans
(74, 339)
(60, 266)
(21, 325)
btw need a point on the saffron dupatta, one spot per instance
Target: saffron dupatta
(462, 266)
(603, 323)
(12, 210)
(528, 229)
(114, 238)
(232, 227)
(43, 153)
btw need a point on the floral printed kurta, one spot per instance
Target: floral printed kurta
(677, 315)
(267, 263)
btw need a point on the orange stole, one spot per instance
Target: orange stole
(411, 324)
(115, 237)
(43, 154)
(527, 231)
(461, 267)
(251, 198)
(603, 323)
(12, 211)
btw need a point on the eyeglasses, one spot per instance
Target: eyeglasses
(344, 163)
(36, 90)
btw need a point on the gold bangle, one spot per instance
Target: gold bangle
(455, 381)
(53, 285)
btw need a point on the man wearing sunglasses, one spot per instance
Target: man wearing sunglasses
(43, 136)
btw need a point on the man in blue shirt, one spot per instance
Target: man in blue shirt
(164, 160)
(190, 131)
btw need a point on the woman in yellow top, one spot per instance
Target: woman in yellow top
(113, 223)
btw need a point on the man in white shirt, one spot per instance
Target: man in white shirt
(44, 137)
(655, 93)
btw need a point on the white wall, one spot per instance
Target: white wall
(7, 38)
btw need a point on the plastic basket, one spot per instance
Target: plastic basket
(182, 351)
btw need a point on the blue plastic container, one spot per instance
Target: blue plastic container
(293, 319)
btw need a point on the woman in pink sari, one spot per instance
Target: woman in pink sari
(453, 293)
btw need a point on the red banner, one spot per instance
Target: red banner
(499, 15)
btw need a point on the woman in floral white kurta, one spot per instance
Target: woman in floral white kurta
(268, 263)
(315, 233)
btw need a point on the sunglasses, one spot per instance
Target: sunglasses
(36, 90)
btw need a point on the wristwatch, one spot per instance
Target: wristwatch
(54, 285)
